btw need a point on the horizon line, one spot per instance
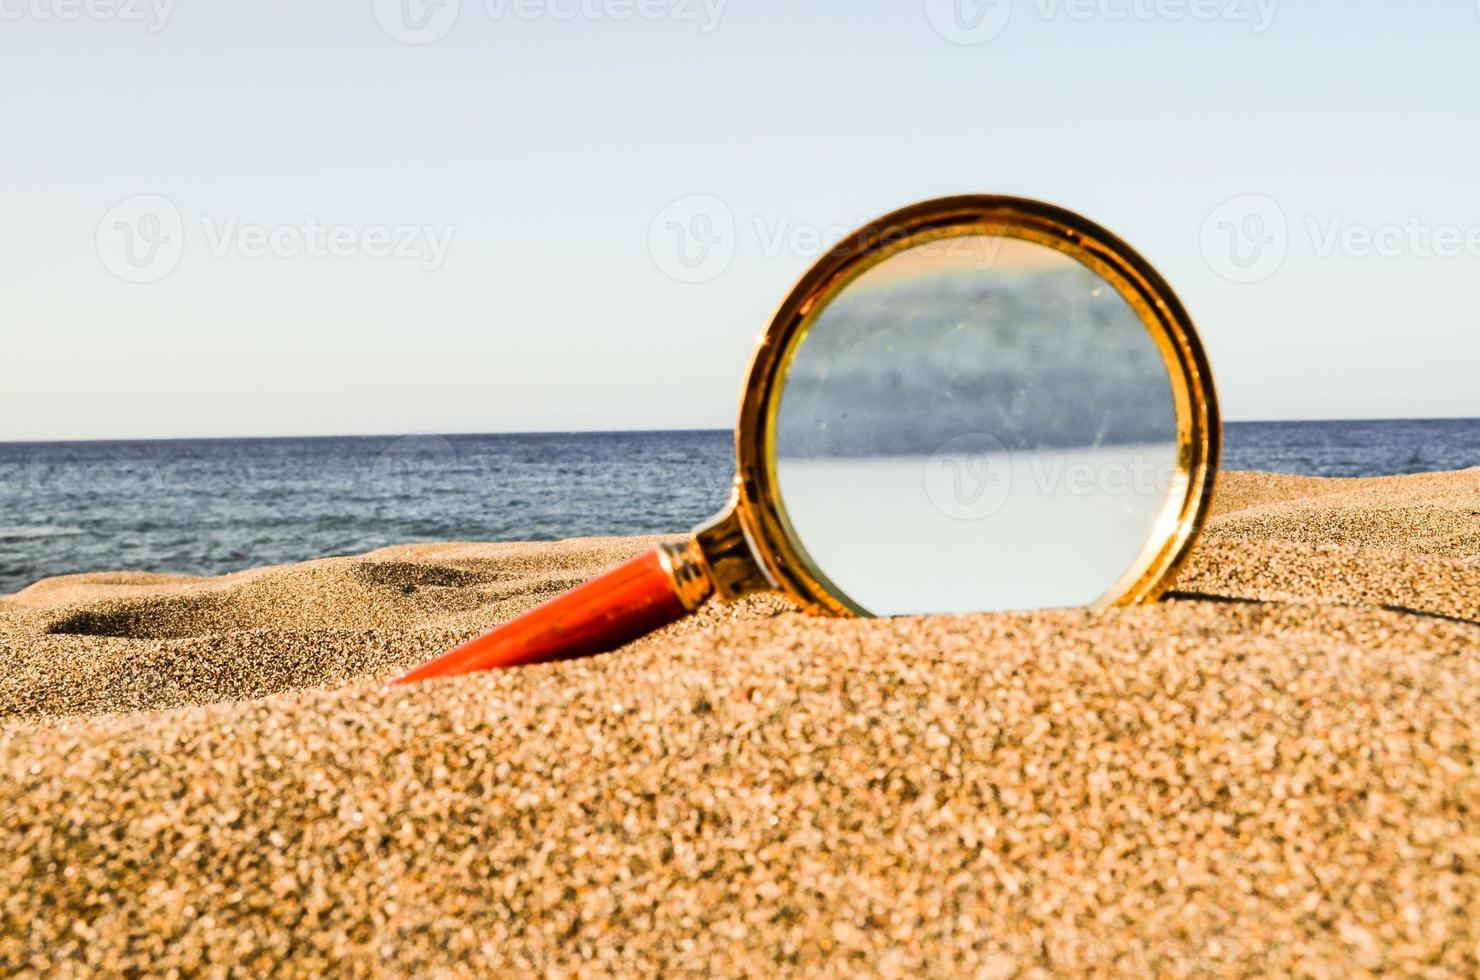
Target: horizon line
(585, 432)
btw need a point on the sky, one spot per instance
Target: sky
(383, 216)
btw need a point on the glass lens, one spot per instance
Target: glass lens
(975, 423)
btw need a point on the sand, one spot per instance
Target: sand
(208, 775)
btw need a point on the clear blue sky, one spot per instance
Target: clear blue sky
(547, 137)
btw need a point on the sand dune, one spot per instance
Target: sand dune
(1278, 777)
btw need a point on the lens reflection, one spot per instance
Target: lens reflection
(977, 423)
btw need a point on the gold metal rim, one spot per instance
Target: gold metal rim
(758, 501)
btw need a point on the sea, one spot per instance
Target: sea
(210, 506)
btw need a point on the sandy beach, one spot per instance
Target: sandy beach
(1275, 772)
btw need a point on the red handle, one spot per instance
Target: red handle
(631, 600)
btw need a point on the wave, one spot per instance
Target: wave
(20, 532)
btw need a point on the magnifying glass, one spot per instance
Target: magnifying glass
(973, 404)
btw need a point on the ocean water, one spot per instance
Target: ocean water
(211, 506)
(1384, 447)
